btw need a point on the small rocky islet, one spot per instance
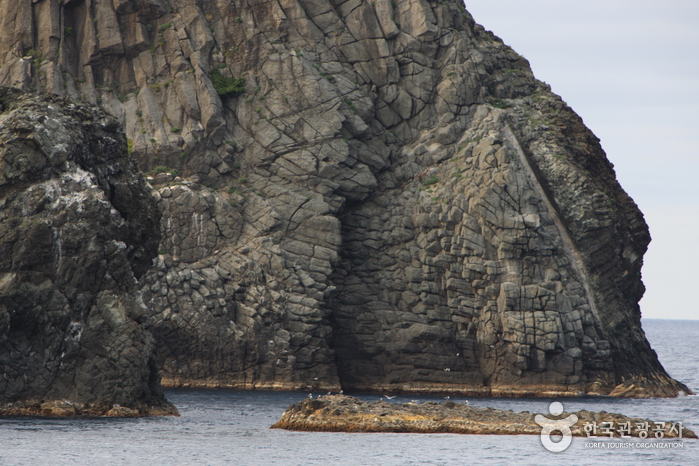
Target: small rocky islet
(341, 413)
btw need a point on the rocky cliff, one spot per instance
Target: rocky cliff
(77, 226)
(374, 195)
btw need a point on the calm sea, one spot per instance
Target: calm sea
(232, 427)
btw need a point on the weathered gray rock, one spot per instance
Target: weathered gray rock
(393, 203)
(77, 227)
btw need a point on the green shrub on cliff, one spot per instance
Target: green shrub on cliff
(226, 87)
(164, 169)
(434, 179)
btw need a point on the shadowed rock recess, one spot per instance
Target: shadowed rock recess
(77, 226)
(392, 203)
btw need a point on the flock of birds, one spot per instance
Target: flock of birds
(388, 397)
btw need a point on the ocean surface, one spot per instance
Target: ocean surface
(219, 427)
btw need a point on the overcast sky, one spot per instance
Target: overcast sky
(630, 69)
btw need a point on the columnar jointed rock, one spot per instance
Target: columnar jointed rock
(77, 226)
(393, 203)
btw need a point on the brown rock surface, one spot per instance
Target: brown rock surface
(393, 202)
(338, 413)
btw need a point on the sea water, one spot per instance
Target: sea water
(219, 427)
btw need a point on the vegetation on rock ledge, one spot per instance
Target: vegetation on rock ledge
(226, 87)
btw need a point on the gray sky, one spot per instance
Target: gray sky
(630, 69)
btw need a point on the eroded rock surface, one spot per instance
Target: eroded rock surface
(393, 203)
(77, 227)
(338, 413)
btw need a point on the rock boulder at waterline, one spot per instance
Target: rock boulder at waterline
(77, 227)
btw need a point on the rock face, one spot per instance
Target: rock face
(338, 413)
(393, 202)
(77, 227)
